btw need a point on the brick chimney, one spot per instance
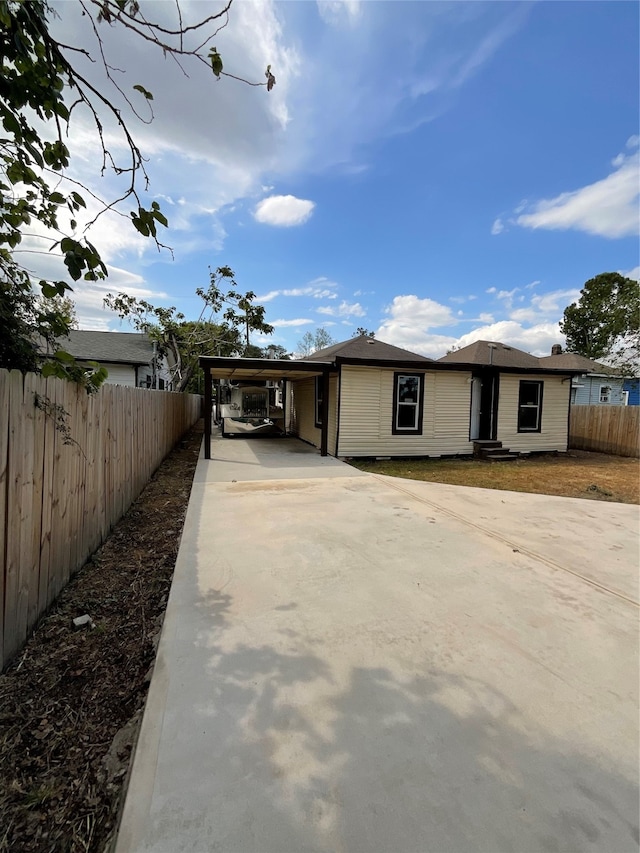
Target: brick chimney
(556, 349)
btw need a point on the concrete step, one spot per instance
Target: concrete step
(482, 445)
(499, 457)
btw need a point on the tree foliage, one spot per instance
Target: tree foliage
(42, 88)
(361, 332)
(313, 341)
(604, 323)
(224, 326)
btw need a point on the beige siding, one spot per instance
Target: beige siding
(555, 405)
(120, 374)
(303, 412)
(333, 415)
(366, 415)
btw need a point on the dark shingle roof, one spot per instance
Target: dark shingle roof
(492, 352)
(119, 347)
(364, 347)
(573, 361)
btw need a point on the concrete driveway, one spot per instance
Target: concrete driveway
(363, 664)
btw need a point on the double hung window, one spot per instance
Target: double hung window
(408, 400)
(530, 406)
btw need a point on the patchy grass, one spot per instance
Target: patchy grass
(577, 474)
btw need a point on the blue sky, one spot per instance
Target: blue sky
(436, 172)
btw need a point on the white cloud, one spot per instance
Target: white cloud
(533, 328)
(336, 11)
(491, 290)
(606, 208)
(319, 288)
(345, 309)
(497, 227)
(410, 318)
(634, 273)
(299, 321)
(283, 210)
(536, 340)
(490, 44)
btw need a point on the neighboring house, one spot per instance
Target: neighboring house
(596, 385)
(631, 389)
(130, 357)
(364, 397)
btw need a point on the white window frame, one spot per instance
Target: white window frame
(398, 404)
(531, 406)
(604, 395)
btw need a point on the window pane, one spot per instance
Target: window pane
(407, 416)
(529, 393)
(529, 418)
(408, 389)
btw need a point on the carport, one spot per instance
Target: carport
(260, 370)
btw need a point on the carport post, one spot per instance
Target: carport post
(324, 430)
(208, 380)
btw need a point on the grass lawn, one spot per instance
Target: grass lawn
(576, 474)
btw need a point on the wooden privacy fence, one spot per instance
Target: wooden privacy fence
(58, 500)
(607, 429)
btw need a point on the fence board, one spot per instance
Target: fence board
(15, 624)
(606, 429)
(58, 501)
(4, 449)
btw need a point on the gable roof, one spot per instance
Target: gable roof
(573, 361)
(114, 347)
(493, 353)
(365, 348)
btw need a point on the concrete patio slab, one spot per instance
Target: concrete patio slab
(357, 663)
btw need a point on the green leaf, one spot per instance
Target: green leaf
(216, 61)
(143, 91)
(48, 290)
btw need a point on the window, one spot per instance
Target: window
(408, 398)
(605, 393)
(319, 400)
(530, 406)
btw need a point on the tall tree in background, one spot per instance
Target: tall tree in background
(605, 321)
(313, 341)
(42, 87)
(226, 321)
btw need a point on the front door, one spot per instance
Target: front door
(484, 406)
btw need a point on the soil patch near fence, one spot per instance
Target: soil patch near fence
(72, 699)
(576, 474)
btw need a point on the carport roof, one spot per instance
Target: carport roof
(262, 368)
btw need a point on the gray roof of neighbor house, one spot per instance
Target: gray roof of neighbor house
(573, 361)
(493, 353)
(363, 347)
(114, 347)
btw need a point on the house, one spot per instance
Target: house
(631, 392)
(596, 385)
(364, 397)
(130, 357)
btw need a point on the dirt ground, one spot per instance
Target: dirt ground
(71, 701)
(576, 474)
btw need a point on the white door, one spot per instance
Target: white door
(476, 393)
